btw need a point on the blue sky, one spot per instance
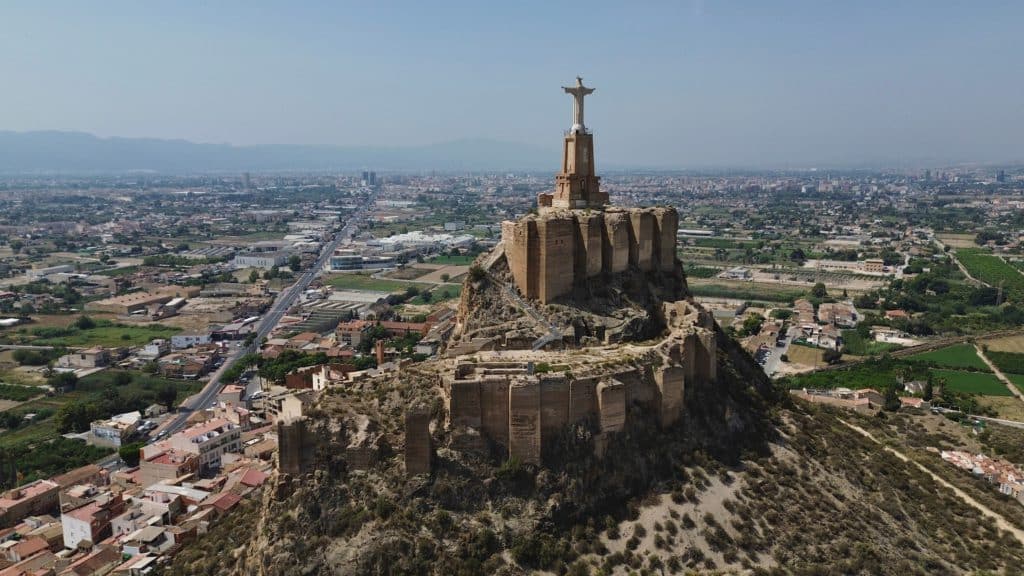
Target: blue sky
(679, 84)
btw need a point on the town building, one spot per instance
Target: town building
(32, 499)
(115, 431)
(208, 440)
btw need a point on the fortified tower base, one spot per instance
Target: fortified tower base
(552, 253)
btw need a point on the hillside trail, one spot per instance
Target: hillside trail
(1001, 522)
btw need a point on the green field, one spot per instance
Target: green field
(438, 294)
(1017, 379)
(108, 335)
(701, 271)
(123, 271)
(856, 344)
(956, 356)
(447, 259)
(993, 271)
(973, 382)
(365, 282)
(750, 291)
(719, 243)
(19, 393)
(1007, 361)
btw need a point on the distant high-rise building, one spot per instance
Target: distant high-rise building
(246, 183)
(1001, 176)
(372, 181)
(927, 175)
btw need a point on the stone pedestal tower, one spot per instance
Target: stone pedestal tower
(576, 186)
(576, 236)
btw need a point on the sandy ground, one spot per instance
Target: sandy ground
(957, 240)
(1007, 407)
(851, 283)
(451, 271)
(1006, 344)
(663, 511)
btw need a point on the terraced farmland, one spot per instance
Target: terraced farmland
(993, 271)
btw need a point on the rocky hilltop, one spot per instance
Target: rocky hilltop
(588, 417)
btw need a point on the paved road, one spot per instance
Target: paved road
(1011, 423)
(281, 304)
(771, 365)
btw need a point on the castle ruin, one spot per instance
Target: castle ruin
(576, 236)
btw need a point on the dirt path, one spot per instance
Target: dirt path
(1001, 522)
(999, 374)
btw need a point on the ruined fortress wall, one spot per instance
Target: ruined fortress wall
(589, 246)
(670, 381)
(666, 222)
(641, 241)
(611, 404)
(690, 345)
(417, 442)
(524, 420)
(554, 404)
(707, 356)
(557, 249)
(464, 403)
(639, 389)
(582, 399)
(494, 408)
(615, 247)
(295, 447)
(521, 243)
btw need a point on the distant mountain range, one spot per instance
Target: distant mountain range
(79, 152)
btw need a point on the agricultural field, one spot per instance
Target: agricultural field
(1009, 362)
(956, 356)
(856, 344)
(123, 271)
(438, 294)
(449, 260)
(957, 240)
(108, 335)
(993, 271)
(701, 271)
(973, 382)
(1018, 381)
(366, 282)
(1008, 407)
(1013, 344)
(741, 290)
(18, 393)
(805, 355)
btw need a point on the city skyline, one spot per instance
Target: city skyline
(679, 86)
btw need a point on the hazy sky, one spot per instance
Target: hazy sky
(682, 84)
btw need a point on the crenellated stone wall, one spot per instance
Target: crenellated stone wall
(552, 253)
